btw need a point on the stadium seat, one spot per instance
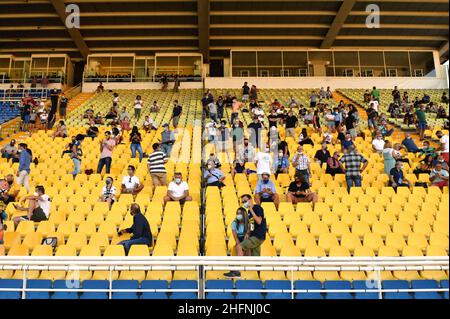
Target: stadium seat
(249, 285)
(396, 285)
(308, 285)
(425, 284)
(95, 284)
(154, 284)
(38, 284)
(63, 284)
(219, 284)
(125, 285)
(183, 284)
(337, 285)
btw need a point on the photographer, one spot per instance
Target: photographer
(213, 175)
(136, 139)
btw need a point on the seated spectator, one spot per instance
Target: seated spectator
(125, 124)
(441, 159)
(328, 137)
(213, 159)
(131, 183)
(347, 143)
(108, 192)
(92, 130)
(444, 98)
(299, 191)
(240, 228)
(425, 165)
(154, 108)
(428, 150)
(397, 177)
(178, 190)
(439, 176)
(149, 124)
(266, 191)
(112, 114)
(304, 139)
(98, 119)
(14, 188)
(61, 130)
(140, 229)
(9, 150)
(409, 143)
(213, 176)
(281, 164)
(398, 155)
(38, 207)
(322, 155)
(441, 113)
(378, 143)
(333, 166)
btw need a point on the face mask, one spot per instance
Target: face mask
(280, 154)
(210, 167)
(108, 182)
(246, 205)
(10, 182)
(239, 217)
(178, 180)
(266, 181)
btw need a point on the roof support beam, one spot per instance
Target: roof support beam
(203, 9)
(75, 34)
(443, 52)
(337, 24)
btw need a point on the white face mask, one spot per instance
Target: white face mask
(246, 205)
(178, 180)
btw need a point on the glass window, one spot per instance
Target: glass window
(422, 64)
(346, 63)
(321, 63)
(372, 63)
(295, 63)
(244, 63)
(397, 63)
(167, 65)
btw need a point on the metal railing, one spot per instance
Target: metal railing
(290, 265)
(18, 94)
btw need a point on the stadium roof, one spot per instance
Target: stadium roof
(213, 27)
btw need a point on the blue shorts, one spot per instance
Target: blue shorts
(422, 125)
(26, 119)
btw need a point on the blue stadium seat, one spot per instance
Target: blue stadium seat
(249, 284)
(337, 285)
(425, 284)
(308, 285)
(396, 284)
(362, 284)
(154, 284)
(95, 284)
(184, 284)
(38, 284)
(63, 284)
(219, 284)
(444, 284)
(275, 285)
(11, 283)
(125, 284)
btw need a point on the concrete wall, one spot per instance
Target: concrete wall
(91, 87)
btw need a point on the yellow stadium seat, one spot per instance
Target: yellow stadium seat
(327, 240)
(363, 251)
(45, 228)
(373, 241)
(387, 251)
(305, 240)
(77, 240)
(25, 227)
(381, 228)
(360, 228)
(11, 239)
(114, 250)
(439, 239)
(417, 240)
(19, 250)
(32, 240)
(318, 228)
(422, 227)
(412, 251)
(90, 250)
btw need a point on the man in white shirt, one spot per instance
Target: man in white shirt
(131, 183)
(443, 139)
(263, 162)
(302, 163)
(178, 190)
(38, 209)
(378, 143)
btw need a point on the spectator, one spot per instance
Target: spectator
(439, 176)
(397, 178)
(378, 143)
(444, 145)
(440, 159)
(254, 129)
(212, 107)
(347, 143)
(220, 105)
(213, 159)
(14, 188)
(131, 183)
(328, 137)
(254, 93)
(257, 232)
(409, 144)
(100, 88)
(178, 190)
(301, 162)
(149, 124)
(351, 165)
(140, 229)
(266, 191)
(167, 140)
(61, 130)
(138, 104)
(154, 108)
(38, 207)
(375, 94)
(291, 124)
(124, 114)
(92, 130)
(106, 149)
(281, 163)
(350, 125)
(213, 176)
(299, 191)
(125, 124)
(176, 113)
(108, 192)
(63, 102)
(441, 112)
(313, 99)
(322, 155)
(156, 166)
(24, 166)
(9, 150)
(176, 84)
(444, 98)
(422, 121)
(372, 116)
(398, 155)
(240, 229)
(333, 166)
(304, 139)
(263, 162)
(245, 93)
(135, 140)
(388, 156)
(428, 150)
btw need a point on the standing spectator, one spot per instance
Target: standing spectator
(156, 166)
(350, 125)
(421, 121)
(176, 113)
(351, 165)
(108, 192)
(213, 176)
(106, 149)
(397, 177)
(396, 96)
(439, 176)
(9, 150)
(176, 84)
(63, 102)
(24, 166)
(38, 207)
(212, 107)
(100, 88)
(291, 124)
(178, 190)
(313, 99)
(254, 93)
(266, 191)
(304, 139)
(140, 229)
(257, 234)
(138, 103)
(388, 156)
(245, 93)
(255, 129)
(316, 122)
(301, 162)
(443, 147)
(347, 142)
(299, 191)
(76, 155)
(235, 107)
(220, 105)
(154, 108)
(167, 140)
(375, 93)
(263, 162)
(409, 144)
(372, 116)
(322, 155)
(135, 140)
(333, 166)
(131, 183)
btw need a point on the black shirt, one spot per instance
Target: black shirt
(273, 118)
(177, 110)
(294, 188)
(322, 157)
(135, 138)
(350, 122)
(245, 90)
(259, 231)
(291, 121)
(140, 228)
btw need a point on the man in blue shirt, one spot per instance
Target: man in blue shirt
(409, 143)
(397, 178)
(24, 166)
(142, 234)
(213, 175)
(266, 191)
